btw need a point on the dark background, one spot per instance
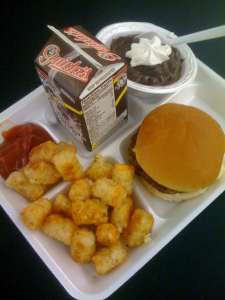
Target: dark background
(192, 265)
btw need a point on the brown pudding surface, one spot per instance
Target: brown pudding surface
(159, 75)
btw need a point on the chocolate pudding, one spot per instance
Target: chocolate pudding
(162, 74)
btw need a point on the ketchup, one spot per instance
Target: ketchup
(18, 141)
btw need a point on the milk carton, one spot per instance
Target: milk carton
(85, 83)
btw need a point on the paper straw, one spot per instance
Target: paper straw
(68, 41)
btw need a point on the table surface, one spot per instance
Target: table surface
(192, 265)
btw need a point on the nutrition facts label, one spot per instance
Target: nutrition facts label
(100, 111)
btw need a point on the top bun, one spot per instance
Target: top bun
(180, 147)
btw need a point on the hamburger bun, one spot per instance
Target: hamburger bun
(180, 148)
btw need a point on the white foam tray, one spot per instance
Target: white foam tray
(207, 92)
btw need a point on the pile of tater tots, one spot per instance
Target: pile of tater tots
(95, 213)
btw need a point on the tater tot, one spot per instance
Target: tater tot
(109, 191)
(62, 145)
(39, 171)
(59, 228)
(138, 229)
(83, 245)
(34, 215)
(67, 164)
(44, 151)
(120, 215)
(107, 234)
(108, 258)
(81, 189)
(124, 175)
(21, 184)
(62, 206)
(99, 168)
(91, 211)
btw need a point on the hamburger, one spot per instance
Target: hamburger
(178, 152)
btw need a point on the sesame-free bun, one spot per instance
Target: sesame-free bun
(180, 147)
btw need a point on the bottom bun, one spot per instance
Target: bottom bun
(177, 197)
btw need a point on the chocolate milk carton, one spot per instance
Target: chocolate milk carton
(85, 83)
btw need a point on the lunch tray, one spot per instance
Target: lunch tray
(206, 92)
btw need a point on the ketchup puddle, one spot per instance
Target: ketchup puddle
(18, 141)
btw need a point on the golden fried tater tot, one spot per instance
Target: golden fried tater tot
(99, 168)
(62, 145)
(107, 234)
(34, 215)
(120, 215)
(83, 245)
(81, 189)
(21, 184)
(67, 164)
(90, 211)
(138, 229)
(108, 258)
(39, 171)
(109, 191)
(59, 228)
(62, 206)
(124, 175)
(44, 151)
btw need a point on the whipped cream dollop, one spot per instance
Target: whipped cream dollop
(148, 52)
